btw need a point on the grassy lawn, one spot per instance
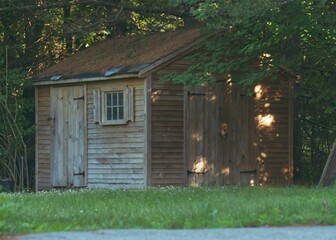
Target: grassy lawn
(166, 208)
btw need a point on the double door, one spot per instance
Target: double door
(222, 146)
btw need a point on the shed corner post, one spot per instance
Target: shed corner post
(147, 131)
(291, 142)
(36, 139)
(86, 140)
(186, 135)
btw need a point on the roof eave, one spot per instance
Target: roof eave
(83, 80)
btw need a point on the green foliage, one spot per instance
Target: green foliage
(17, 128)
(297, 34)
(171, 208)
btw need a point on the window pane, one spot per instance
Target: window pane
(121, 99)
(114, 105)
(115, 99)
(121, 112)
(108, 99)
(115, 113)
(108, 114)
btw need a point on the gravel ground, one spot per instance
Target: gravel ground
(273, 233)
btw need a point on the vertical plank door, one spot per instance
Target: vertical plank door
(68, 136)
(58, 116)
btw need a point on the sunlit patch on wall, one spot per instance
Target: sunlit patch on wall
(252, 182)
(258, 91)
(223, 129)
(155, 95)
(226, 171)
(197, 136)
(284, 170)
(200, 165)
(277, 96)
(212, 98)
(265, 121)
(267, 105)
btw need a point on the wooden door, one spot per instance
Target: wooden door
(221, 143)
(68, 137)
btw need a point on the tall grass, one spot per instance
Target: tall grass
(166, 208)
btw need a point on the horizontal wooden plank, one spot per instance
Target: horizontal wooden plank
(95, 179)
(44, 151)
(167, 182)
(113, 129)
(124, 155)
(116, 160)
(168, 163)
(44, 138)
(44, 129)
(167, 150)
(116, 151)
(43, 91)
(106, 140)
(164, 156)
(44, 147)
(176, 163)
(167, 171)
(167, 138)
(45, 171)
(168, 114)
(132, 82)
(163, 119)
(278, 159)
(44, 176)
(168, 124)
(166, 108)
(117, 173)
(44, 157)
(116, 145)
(116, 165)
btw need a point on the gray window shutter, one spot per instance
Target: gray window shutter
(129, 103)
(96, 106)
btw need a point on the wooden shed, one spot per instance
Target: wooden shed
(104, 119)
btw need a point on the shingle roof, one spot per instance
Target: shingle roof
(120, 55)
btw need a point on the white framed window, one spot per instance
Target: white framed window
(113, 106)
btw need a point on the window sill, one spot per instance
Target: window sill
(116, 122)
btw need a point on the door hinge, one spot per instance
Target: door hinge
(79, 98)
(80, 174)
(250, 171)
(191, 172)
(195, 94)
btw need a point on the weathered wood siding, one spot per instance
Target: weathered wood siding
(116, 152)
(43, 140)
(221, 147)
(167, 131)
(274, 104)
(234, 137)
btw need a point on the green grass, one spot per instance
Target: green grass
(166, 208)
